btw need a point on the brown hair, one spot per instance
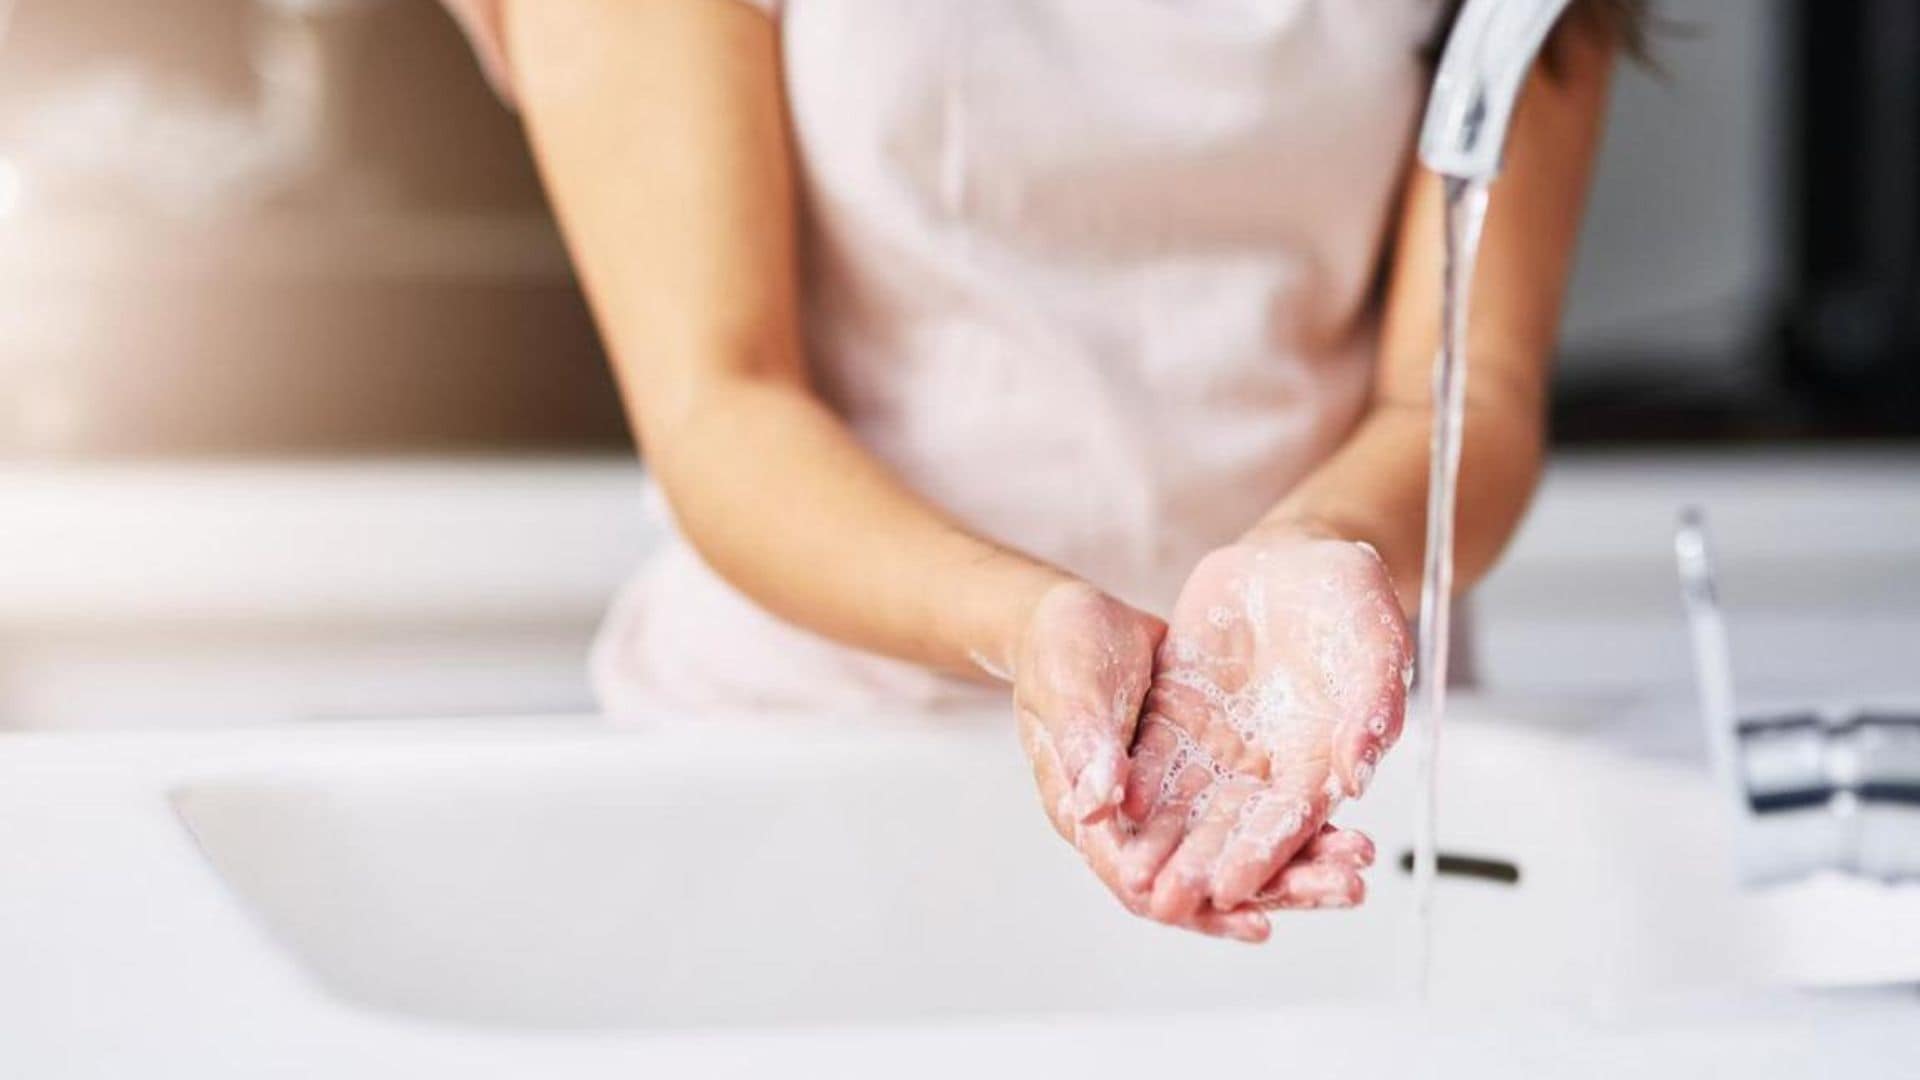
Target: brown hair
(1624, 21)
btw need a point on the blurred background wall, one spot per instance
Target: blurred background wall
(243, 227)
(1683, 261)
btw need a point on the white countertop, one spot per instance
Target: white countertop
(126, 957)
(437, 539)
(224, 594)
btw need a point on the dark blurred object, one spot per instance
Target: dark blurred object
(1779, 158)
(1851, 345)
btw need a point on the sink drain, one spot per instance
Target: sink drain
(1477, 867)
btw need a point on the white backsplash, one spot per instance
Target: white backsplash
(183, 596)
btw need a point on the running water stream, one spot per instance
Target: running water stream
(1466, 212)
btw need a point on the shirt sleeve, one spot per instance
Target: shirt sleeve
(481, 21)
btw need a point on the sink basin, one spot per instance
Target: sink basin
(748, 877)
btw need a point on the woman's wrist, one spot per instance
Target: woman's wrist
(1294, 526)
(993, 601)
(1402, 564)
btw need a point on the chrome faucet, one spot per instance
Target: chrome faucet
(1492, 47)
(1820, 788)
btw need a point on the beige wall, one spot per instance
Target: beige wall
(241, 236)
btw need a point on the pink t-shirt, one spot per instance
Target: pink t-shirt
(1097, 277)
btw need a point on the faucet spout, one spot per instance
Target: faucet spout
(1488, 55)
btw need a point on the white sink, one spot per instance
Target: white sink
(755, 877)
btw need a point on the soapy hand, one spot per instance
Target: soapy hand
(1278, 687)
(1081, 671)
(1081, 675)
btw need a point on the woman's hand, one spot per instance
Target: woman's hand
(1082, 671)
(1278, 687)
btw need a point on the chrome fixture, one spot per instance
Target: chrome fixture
(1821, 788)
(1492, 47)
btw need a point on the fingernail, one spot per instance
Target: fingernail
(1097, 789)
(1362, 778)
(1136, 870)
(1250, 931)
(1085, 803)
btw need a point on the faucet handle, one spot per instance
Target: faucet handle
(1830, 790)
(1712, 651)
(1817, 789)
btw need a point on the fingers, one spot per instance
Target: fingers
(1154, 753)
(1271, 827)
(1326, 875)
(1103, 846)
(1333, 842)
(1178, 731)
(1178, 787)
(1094, 757)
(1374, 722)
(1249, 926)
(1326, 882)
(1363, 738)
(1102, 786)
(1330, 882)
(1092, 739)
(1246, 837)
(1182, 885)
(1174, 779)
(1209, 833)
(1084, 668)
(1166, 747)
(1049, 776)
(1152, 844)
(1088, 764)
(1130, 695)
(1356, 756)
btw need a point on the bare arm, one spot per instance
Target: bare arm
(1375, 487)
(660, 128)
(1232, 842)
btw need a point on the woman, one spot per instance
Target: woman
(963, 336)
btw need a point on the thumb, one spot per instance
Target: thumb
(1093, 755)
(1101, 784)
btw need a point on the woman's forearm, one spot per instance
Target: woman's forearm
(785, 504)
(1375, 488)
(662, 134)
